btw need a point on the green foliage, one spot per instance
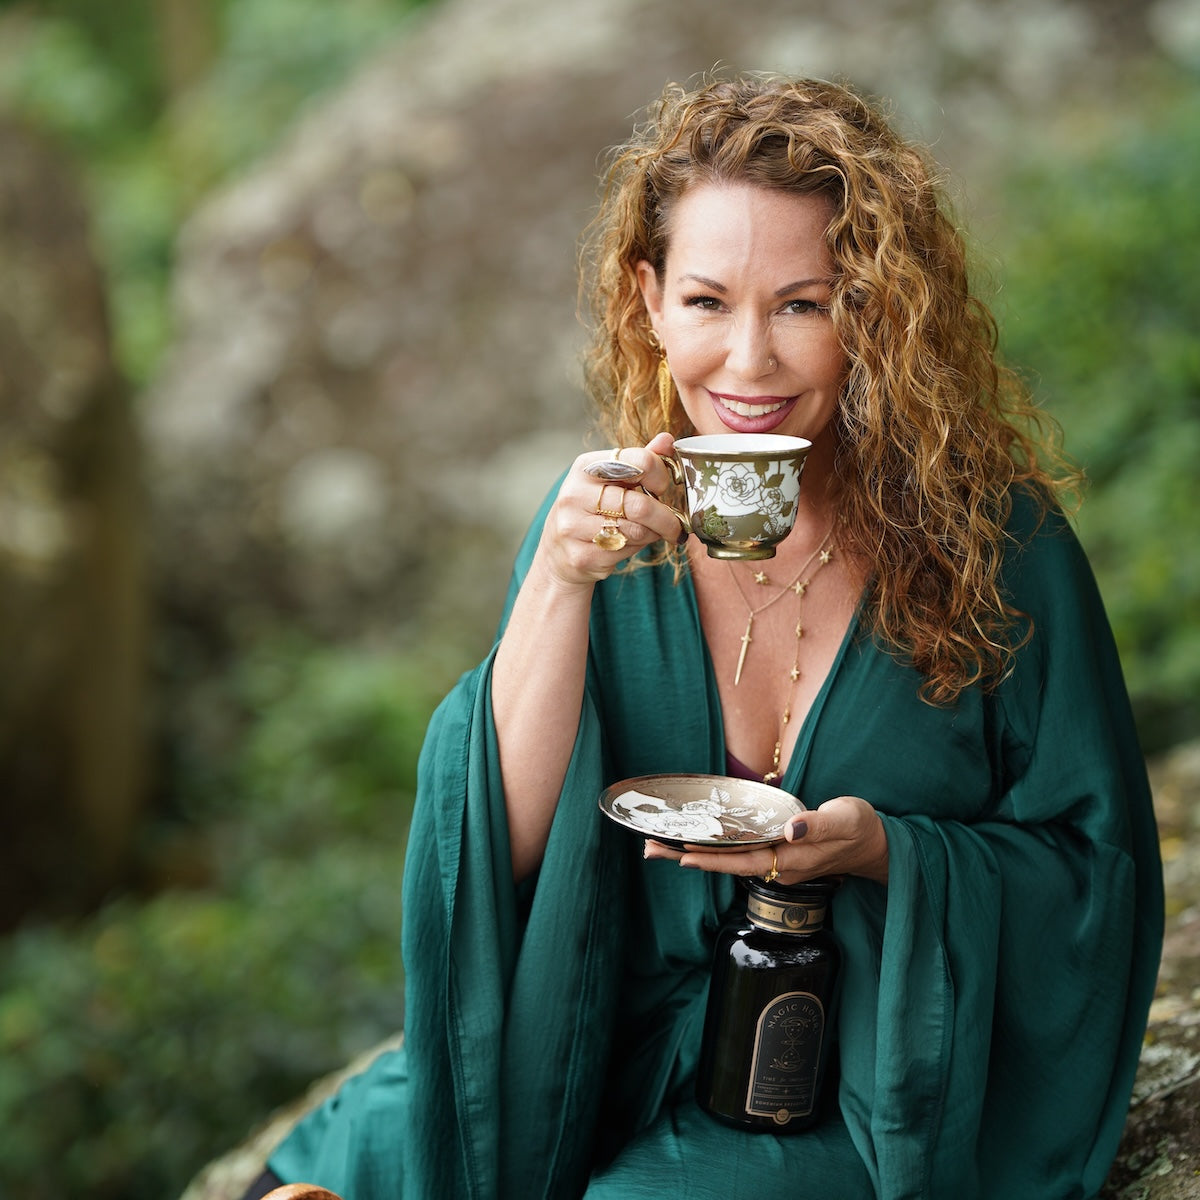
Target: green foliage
(1101, 305)
(57, 81)
(278, 56)
(157, 1036)
(336, 743)
(91, 75)
(90, 70)
(141, 1043)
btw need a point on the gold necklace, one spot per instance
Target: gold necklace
(799, 585)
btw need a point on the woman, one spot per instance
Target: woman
(925, 663)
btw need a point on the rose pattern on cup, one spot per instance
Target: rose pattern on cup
(754, 501)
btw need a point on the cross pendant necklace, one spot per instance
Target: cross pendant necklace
(746, 640)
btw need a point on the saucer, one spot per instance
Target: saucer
(714, 812)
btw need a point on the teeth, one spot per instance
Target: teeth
(751, 410)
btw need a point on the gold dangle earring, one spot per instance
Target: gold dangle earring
(665, 390)
(665, 383)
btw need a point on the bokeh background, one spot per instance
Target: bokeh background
(288, 355)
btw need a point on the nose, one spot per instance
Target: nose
(748, 353)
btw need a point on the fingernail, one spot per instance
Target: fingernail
(799, 829)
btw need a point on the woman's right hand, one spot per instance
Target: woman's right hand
(572, 549)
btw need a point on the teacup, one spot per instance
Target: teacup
(742, 490)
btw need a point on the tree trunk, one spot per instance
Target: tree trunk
(72, 596)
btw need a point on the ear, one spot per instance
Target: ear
(651, 291)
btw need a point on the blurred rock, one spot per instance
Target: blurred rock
(72, 613)
(1160, 1151)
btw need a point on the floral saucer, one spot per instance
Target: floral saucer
(717, 812)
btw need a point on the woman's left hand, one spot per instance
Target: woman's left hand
(843, 836)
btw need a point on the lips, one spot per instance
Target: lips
(751, 414)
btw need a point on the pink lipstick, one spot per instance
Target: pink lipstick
(751, 414)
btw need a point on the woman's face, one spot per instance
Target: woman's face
(742, 310)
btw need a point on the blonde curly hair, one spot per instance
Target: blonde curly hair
(932, 433)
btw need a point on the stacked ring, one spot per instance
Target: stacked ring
(601, 511)
(773, 873)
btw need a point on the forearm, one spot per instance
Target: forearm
(537, 694)
(541, 662)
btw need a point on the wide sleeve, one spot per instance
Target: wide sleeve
(509, 996)
(992, 1031)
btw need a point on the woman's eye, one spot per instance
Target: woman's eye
(801, 307)
(709, 303)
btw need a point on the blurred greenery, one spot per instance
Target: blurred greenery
(141, 1041)
(145, 1040)
(158, 100)
(1101, 307)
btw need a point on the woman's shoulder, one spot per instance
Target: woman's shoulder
(1039, 536)
(1033, 510)
(1046, 573)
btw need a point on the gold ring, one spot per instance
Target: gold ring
(610, 536)
(612, 514)
(612, 470)
(773, 873)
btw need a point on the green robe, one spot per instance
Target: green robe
(994, 993)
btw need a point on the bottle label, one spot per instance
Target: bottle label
(786, 1057)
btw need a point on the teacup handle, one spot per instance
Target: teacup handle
(676, 473)
(685, 524)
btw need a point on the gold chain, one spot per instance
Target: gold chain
(799, 585)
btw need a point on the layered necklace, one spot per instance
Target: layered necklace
(798, 586)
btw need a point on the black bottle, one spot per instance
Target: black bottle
(771, 1005)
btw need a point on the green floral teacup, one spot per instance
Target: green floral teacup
(741, 489)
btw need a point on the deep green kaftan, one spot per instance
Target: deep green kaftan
(994, 992)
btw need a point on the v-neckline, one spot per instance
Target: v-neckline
(792, 774)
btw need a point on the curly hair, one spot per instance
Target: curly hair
(932, 432)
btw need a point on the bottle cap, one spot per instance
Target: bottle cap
(789, 908)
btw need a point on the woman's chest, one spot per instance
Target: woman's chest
(773, 645)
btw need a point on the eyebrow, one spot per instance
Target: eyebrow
(798, 286)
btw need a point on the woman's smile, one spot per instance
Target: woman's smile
(755, 407)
